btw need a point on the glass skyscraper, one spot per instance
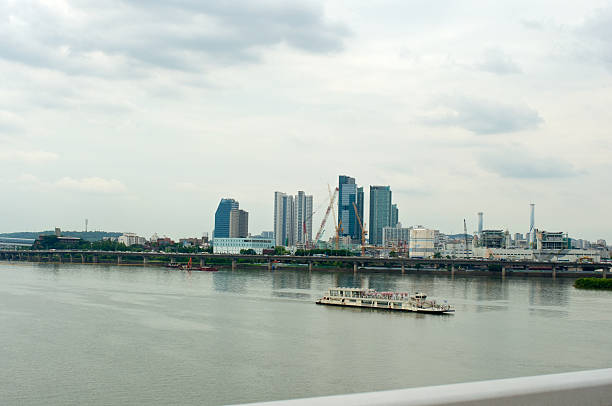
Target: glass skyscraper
(349, 193)
(380, 212)
(222, 218)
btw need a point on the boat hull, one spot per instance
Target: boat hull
(410, 309)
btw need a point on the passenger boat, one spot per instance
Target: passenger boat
(401, 301)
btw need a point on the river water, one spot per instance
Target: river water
(98, 335)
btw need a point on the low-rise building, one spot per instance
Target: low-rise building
(131, 239)
(396, 237)
(235, 245)
(422, 243)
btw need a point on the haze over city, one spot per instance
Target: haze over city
(141, 116)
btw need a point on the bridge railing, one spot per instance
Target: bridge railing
(585, 388)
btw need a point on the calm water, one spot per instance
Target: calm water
(74, 334)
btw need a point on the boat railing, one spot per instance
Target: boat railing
(585, 388)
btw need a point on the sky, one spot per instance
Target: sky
(141, 115)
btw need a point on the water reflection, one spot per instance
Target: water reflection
(291, 280)
(548, 292)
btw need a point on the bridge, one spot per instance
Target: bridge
(355, 262)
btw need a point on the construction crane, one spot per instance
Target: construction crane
(466, 239)
(332, 200)
(337, 222)
(363, 232)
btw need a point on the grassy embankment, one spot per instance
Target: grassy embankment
(593, 283)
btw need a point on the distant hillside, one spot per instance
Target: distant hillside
(87, 236)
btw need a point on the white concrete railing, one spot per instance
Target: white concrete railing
(584, 388)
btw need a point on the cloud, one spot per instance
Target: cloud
(515, 162)
(483, 117)
(94, 184)
(104, 38)
(10, 122)
(28, 156)
(496, 61)
(595, 36)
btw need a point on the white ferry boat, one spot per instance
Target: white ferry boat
(356, 297)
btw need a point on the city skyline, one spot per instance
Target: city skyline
(459, 107)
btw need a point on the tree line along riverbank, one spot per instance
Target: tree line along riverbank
(593, 283)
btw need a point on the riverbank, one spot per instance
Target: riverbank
(226, 265)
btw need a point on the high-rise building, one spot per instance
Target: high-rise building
(243, 227)
(303, 207)
(285, 219)
(222, 218)
(349, 193)
(239, 223)
(380, 212)
(394, 215)
(292, 218)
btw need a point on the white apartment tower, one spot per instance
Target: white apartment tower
(292, 219)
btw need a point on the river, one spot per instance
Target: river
(105, 334)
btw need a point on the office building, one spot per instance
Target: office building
(380, 212)
(349, 194)
(239, 224)
(285, 219)
(222, 218)
(303, 208)
(396, 237)
(235, 245)
(422, 243)
(394, 215)
(292, 219)
(129, 239)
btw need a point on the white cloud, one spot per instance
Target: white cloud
(27, 156)
(496, 61)
(517, 162)
(484, 117)
(94, 184)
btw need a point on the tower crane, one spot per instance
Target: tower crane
(337, 222)
(363, 232)
(332, 200)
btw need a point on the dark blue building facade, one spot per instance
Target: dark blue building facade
(222, 218)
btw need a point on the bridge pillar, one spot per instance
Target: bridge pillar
(59, 257)
(354, 266)
(269, 265)
(233, 264)
(95, 259)
(70, 257)
(604, 273)
(453, 270)
(118, 259)
(403, 267)
(82, 258)
(554, 272)
(145, 260)
(310, 266)
(202, 261)
(503, 271)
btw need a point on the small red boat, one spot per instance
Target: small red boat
(190, 267)
(205, 269)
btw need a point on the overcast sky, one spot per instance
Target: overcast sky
(140, 115)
